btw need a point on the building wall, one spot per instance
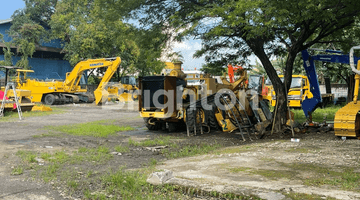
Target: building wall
(46, 68)
(47, 65)
(3, 29)
(339, 90)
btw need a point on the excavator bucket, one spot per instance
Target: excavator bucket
(347, 120)
(101, 96)
(41, 108)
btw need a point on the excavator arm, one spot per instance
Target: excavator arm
(310, 104)
(73, 78)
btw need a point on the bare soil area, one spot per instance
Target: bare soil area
(269, 168)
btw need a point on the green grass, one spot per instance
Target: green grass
(27, 156)
(239, 169)
(94, 129)
(318, 115)
(17, 170)
(191, 150)
(13, 116)
(347, 180)
(122, 149)
(302, 196)
(232, 150)
(152, 162)
(50, 172)
(271, 174)
(59, 159)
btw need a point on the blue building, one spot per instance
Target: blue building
(47, 62)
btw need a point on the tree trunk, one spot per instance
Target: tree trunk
(280, 111)
(281, 97)
(350, 84)
(118, 74)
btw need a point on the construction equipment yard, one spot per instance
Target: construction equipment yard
(60, 155)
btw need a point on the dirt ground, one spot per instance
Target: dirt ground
(268, 168)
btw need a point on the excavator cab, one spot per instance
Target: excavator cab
(21, 75)
(256, 83)
(128, 80)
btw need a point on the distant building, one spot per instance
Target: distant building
(47, 61)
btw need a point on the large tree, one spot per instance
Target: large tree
(233, 30)
(30, 27)
(98, 29)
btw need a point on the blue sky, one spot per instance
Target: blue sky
(8, 7)
(187, 48)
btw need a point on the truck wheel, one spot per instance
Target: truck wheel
(172, 127)
(151, 127)
(49, 99)
(213, 124)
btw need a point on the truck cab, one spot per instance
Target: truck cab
(298, 91)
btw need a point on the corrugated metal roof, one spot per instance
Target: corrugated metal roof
(5, 21)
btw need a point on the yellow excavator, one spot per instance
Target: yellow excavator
(69, 90)
(347, 119)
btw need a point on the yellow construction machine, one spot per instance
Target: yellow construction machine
(69, 90)
(24, 96)
(168, 102)
(124, 91)
(347, 119)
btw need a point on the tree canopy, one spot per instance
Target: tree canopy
(97, 28)
(88, 29)
(233, 30)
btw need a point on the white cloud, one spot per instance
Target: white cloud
(181, 45)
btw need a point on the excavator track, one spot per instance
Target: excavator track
(347, 121)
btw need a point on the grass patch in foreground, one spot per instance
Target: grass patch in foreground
(191, 150)
(231, 150)
(94, 129)
(302, 196)
(132, 185)
(347, 180)
(122, 149)
(271, 174)
(17, 170)
(27, 156)
(318, 115)
(56, 161)
(13, 116)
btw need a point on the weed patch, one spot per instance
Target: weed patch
(232, 150)
(122, 149)
(346, 180)
(17, 170)
(302, 196)
(239, 169)
(191, 150)
(27, 156)
(94, 129)
(13, 116)
(318, 115)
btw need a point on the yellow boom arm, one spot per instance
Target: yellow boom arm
(73, 78)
